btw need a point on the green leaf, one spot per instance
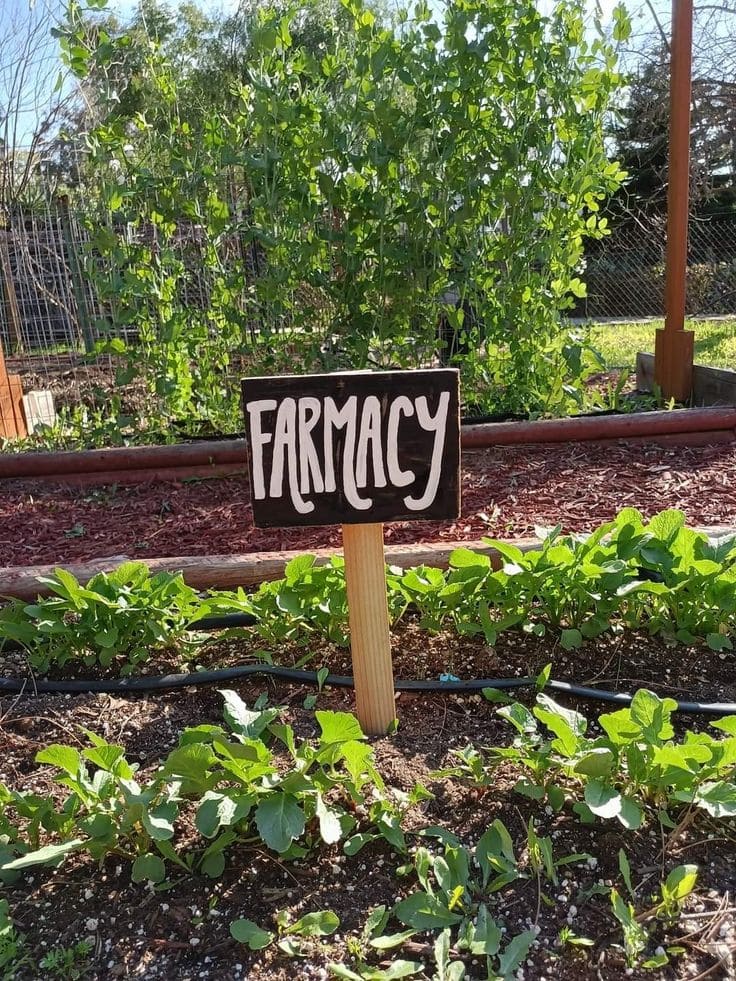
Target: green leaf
(717, 798)
(543, 677)
(487, 935)
(319, 924)
(354, 844)
(397, 969)
(330, 827)
(653, 714)
(495, 695)
(213, 865)
(280, 820)
(107, 638)
(621, 29)
(597, 762)
(159, 820)
(64, 757)
(338, 727)
(719, 642)
(680, 882)
(424, 912)
(623, 864)
(215, 811)
(726, 724)
(297, 568)
(571, 639)
(48, 855)
(149, 868)
(190, 761)
(464, 558)
(249, 933)
(391, 940)
(515, 952)
(242, 720)
(631, 814)
(603, 799)
(567, 725)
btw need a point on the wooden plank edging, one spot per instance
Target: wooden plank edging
(231, 571)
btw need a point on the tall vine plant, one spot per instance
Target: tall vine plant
(438, 168)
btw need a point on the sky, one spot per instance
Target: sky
(42, 62)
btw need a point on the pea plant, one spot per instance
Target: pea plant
(336, 167)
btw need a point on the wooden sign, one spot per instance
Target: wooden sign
(356, 449)
(353, 448)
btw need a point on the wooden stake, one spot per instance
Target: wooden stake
(365, 575)
(15, 335)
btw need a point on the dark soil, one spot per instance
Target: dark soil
(182, 933)
(506, 492)
(621, 661)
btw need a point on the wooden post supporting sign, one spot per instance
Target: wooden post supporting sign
(365, 578)
(356, 449)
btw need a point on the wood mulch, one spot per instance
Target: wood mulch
(505, 491)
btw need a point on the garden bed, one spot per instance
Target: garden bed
(254, 833)
(181, 931)
(506, 492)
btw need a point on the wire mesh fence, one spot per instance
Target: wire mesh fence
(54, 311)
(625, 272)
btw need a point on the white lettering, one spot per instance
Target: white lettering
(437, 425)
(397, 476)
(339, 419)
(370, 432)
(258, 440)
(309, 412)
(284, 443)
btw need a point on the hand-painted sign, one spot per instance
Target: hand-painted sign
(353, 448)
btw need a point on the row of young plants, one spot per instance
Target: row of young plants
(251, 782)
(656, 575)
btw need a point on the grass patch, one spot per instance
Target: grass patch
(618, 344)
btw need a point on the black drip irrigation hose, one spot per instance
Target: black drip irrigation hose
(234, 620)
(172, 681)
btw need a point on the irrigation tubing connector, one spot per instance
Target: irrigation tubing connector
(120, 686)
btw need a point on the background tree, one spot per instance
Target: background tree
(34, 92)
(641, 131)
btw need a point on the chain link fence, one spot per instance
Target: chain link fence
(51, 317)
(625, 272)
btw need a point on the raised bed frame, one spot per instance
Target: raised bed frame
(126, 465)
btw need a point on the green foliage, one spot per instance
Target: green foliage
(309, 602)
(658, 575)
(67, 962)
(635, 768)
(453, 886)
(229, 776)
(678, 885)
(13, 955)
(122, 615)
(318, 924)
(373, 174)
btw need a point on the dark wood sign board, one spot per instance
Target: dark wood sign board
(353, 448)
